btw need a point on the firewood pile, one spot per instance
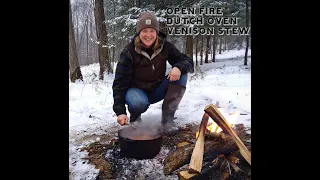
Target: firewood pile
(212, 151)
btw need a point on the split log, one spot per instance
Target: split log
(205, 173)
(197, 154)
(182, 155)
(186, 175)
(218, 118)
(222, 164)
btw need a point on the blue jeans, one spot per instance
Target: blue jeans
(138, 100)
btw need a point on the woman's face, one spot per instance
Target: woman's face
(148, 36)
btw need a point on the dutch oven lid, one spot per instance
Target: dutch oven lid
(140, 132)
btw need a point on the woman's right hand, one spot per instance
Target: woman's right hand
(122, 119)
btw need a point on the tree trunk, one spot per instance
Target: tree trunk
(74, 67)
(225, 43)
(93, 46)
(247, 37)
(113, 37)
(102, 38)
(220, 44)
(211, 47)
(87, 49)
(83, 60)
(197, 40)
(189, 45)
(214, 49)
(207, 50)
(76, 21)
(201, 51)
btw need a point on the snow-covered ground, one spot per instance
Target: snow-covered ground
(90, 105)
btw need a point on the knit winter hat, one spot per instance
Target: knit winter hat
(147, 20)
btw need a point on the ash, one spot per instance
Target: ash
(129, 168)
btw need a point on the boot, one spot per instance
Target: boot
(135, 118)
(169, 107)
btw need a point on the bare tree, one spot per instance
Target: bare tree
(114, 30)
(102, 37)
(201, 51)
(189, 46)
(74, 67)
(220, 44)
(207, 50)
(93, 46)
(214, 46)
(225, 42)
(197, 41)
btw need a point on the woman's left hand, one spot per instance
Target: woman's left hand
(174, 75)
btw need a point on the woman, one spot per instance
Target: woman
(140, 78)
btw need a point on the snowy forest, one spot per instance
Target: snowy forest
(99, 29)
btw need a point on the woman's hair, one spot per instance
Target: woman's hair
(137, 42)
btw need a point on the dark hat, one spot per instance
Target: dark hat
(147, 20)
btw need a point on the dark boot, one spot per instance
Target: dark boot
(135, 118)
(169, 107)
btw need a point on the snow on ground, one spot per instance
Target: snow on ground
(90, 104)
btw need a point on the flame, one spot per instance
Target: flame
(231, 119)
(197, 134)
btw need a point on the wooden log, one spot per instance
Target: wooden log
(221, 163)
(179, 145)
(232, 158)
(215, 135)
(210, 155)
(177, 158)
(218, 118)
(186, 175)
(224, 169)
(197, 154)
(235, 167)
(233, 161)
(212, 149)
(182, 155)
(206, 171)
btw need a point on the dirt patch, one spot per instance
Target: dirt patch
(105, 156)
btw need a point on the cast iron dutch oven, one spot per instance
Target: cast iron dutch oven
(140, 142)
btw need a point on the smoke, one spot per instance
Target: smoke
(145, 130)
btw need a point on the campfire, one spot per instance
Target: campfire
(214, 129)
(215, 147)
